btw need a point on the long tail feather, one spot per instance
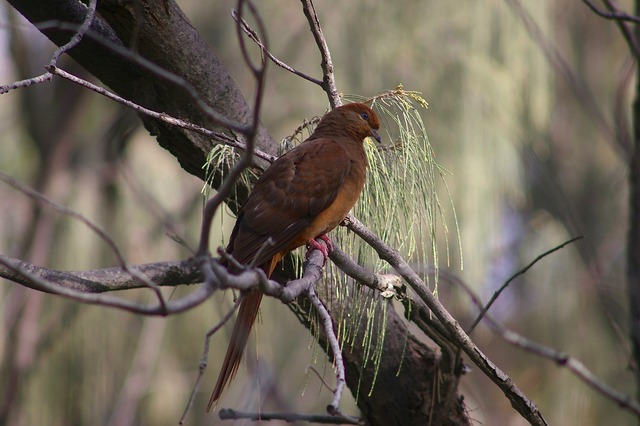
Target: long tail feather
(239, 337)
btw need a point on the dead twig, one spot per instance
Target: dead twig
(522, 271)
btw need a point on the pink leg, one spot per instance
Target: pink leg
(325, 250)
(328, 242)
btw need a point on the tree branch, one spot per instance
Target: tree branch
(227, 414)
(522, 271)
(455, 333)
(564, 360)
(256, 39)
(328, 80)
(616, 15)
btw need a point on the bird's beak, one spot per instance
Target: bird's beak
(375, 135)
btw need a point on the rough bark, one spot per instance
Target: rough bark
(161, 33)
(164, 36)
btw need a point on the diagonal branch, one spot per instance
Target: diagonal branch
(616, 15)
(328, 80)
(246, 159)
(564, 360)
(256, 39)
(560, 358)
(94, 227)
(75, 40)
(160, 116)
(456, 334)
(522, 271)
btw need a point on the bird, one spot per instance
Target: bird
(302, 196)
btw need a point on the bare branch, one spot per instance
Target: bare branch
(227, 414)
(522, 271)
(456, 334)
(617, 16)
(135, 58)
(104, 280)
(75, 40)
(205, 357)
(254, 36)
(37, 282)
(158, 115)
(77, 37)
(327, 323)
(26, 82)
(247, 158)
(560, 358)
(564, 360)
(627, 32)
(328, 80)
(620, 103)
(94, 227)
(86, 286)
(386, 284)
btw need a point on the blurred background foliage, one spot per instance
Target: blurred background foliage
(530, 168)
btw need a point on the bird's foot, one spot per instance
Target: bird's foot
(324, 249)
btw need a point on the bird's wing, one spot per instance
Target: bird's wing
(289, 195)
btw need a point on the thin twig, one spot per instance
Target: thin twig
(522, 271)
(161, 116)
(247, 158)
(327, 323)
(170, 273)
(620, 103)
(36, 282)
(143, 63)
(213, 272)
(328, 80)
(91, 225)
(573, 80)
(254, 36)
(627, 32)
(75, 40)
(564, 360)
(205, 357)
(77, 37)
(319, 377)
(560, 358)
(46, 77)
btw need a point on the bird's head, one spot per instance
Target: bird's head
(356, 120)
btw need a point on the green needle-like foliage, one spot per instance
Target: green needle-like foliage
(401, 204)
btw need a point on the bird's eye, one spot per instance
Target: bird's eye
(365, 116)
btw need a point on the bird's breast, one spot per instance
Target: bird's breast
(346, 198)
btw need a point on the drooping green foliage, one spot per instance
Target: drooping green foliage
(400, 203)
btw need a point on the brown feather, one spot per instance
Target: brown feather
(304, 194)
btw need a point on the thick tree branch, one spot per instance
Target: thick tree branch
(227, 414)
(164, 38)
(163, 274)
